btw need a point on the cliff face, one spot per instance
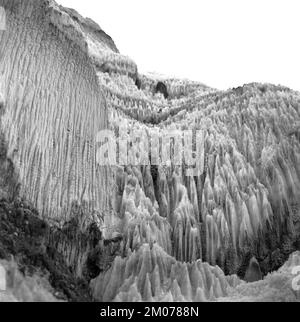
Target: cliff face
(53, 107)
(62, 81)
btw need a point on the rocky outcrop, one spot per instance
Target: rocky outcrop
(149, 274)
(253, 273)
(20, 288)
(53, 106)
(279, 286)
(233, 209)
(29, 240)
(142, 230)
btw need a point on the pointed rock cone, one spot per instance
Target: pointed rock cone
(253, 272)
(200, 296)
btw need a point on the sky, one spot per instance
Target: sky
(222, 44)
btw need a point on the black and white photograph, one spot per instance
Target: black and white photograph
(149, 154)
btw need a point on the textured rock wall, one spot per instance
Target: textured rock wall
(62, 80)
(245, 203)
(53, 108)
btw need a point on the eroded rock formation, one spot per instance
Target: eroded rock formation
(53, 106)
(144, 231)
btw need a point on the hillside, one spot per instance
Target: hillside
(140, 228)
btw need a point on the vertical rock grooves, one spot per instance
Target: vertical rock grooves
(53, 108)
(164, 235)
(245, 204)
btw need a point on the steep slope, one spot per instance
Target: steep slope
(151, 275)
(245, 203)
(53, 107)
(164, 226)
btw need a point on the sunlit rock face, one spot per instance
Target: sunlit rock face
(247, 199)
(150, 274)
(244, 204)
(20, 288)
(168, 236)
(53, 106)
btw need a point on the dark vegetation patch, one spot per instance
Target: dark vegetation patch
(27, 238)
(55, 253)
(270, 251)
(101, 257)
(68, 257)
(24, 236)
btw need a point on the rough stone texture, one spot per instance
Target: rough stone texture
(141, 232)
(253, 273)
(53, 107)
(25, 237)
